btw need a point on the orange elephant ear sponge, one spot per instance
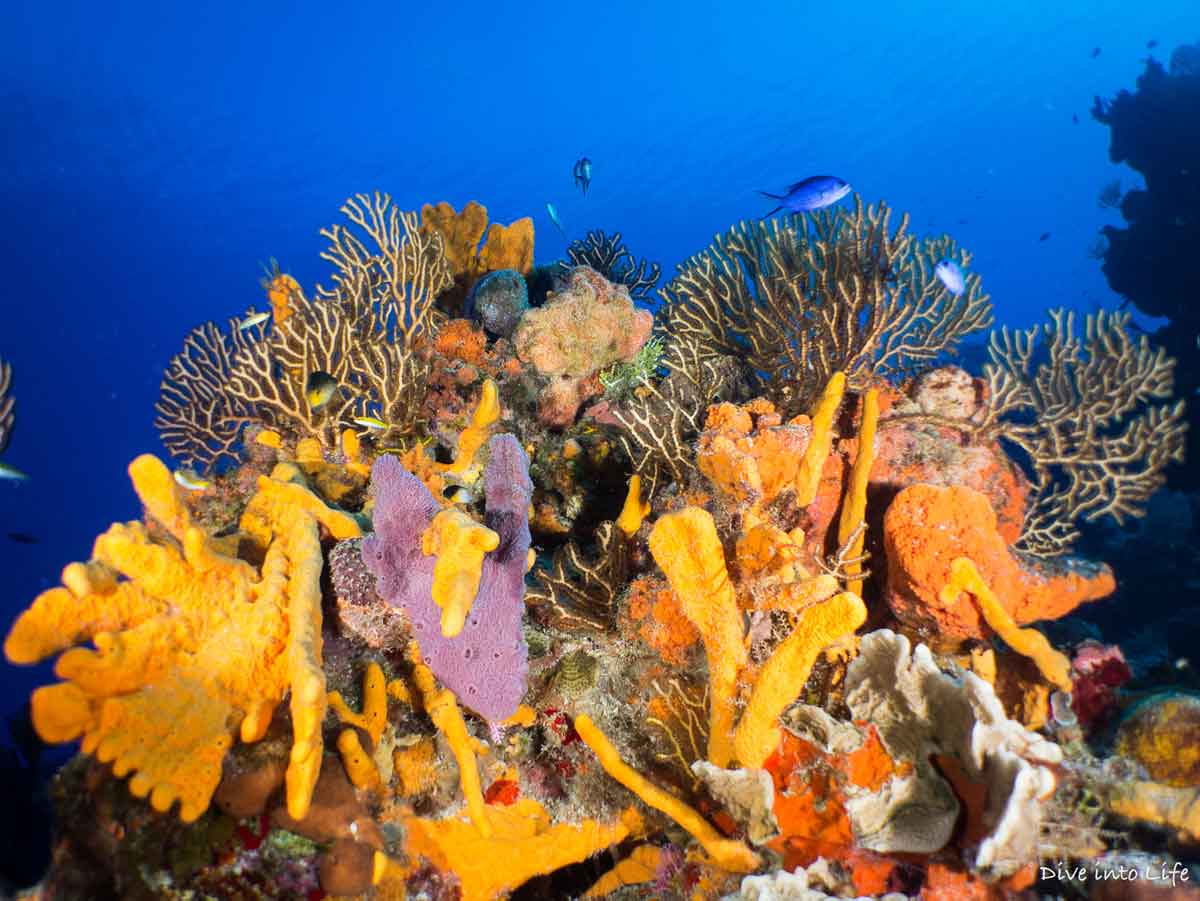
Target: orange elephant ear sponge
(191, 646)
(927, 527)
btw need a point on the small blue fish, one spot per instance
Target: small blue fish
(950, 274)
(582, 172)
(554, 218)
(814, 193)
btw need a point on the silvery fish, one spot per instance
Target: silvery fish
(814, 193)
(582, 173)
(189, 480)
(370, 422)
(554, 218)
(950, 274)
(11, 472)
(252, 319)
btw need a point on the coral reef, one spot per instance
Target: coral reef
(482, 657)
(920, 559)
(498, 301)
(199, 421)
(566, 601)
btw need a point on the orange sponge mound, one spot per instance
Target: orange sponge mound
(927, 527)
(190, 646)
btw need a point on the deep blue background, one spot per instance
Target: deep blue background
(153, 158)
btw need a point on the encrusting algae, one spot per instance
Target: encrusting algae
(662, 639)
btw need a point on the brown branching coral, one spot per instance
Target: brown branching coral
(362, 332)
(268, 377)
(609, 256)
(581, 592)
(199, 420)
(838, 290)
(391, 285)
(1093, 415)
(7, 403)
(677, 713)
(660, 422)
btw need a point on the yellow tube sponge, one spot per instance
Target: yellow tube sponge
(798, 596)
(686, 547)
(475, 435)
(729, 854)
(374, 716)
(523, 842)
(82, 579)
(352, 449)
(308, 450)
(635, 509)
(787, 669)
(442, 708)
(854, 507)
(306, 672)
(190, 649)
(162, 498)
(459, 543)
(351, 445)
(283, 494)
(808, 477)
(1052, 664)
(360, 767)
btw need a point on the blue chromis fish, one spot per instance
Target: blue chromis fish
(554, 218)
(950, 274)
(320, 388)
(252, 319)
(11, 473)
(373, 423)
(185, 478)
(582, 173)
(814, 193)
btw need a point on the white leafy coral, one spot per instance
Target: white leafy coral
(921, 711)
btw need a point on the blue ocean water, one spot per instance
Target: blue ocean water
(155, 155)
